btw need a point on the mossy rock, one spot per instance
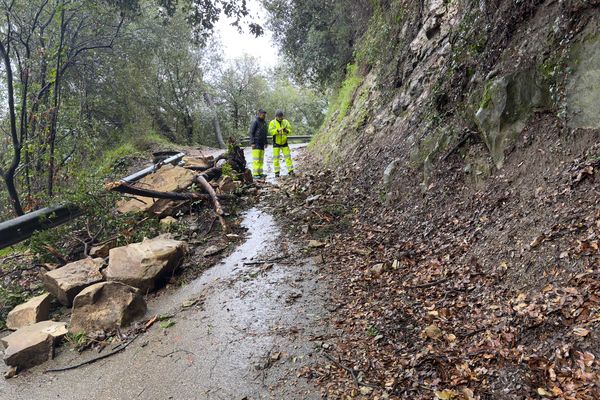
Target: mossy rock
(583, 85)
(506, 105)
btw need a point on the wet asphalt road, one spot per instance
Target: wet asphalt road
(247, 337)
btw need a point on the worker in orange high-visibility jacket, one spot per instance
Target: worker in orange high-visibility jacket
(279, 129)
(258, 141)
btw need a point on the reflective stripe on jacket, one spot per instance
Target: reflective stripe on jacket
(276, 131)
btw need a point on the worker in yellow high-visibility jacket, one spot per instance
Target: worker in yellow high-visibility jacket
(279, 129)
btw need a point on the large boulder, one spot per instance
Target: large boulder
(144, 265)
(169, 178)
(35, 310)
(32, 345)
(106, 306)
(198, 163)
(66, 282)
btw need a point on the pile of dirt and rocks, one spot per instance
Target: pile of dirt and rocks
(101, 298)
(465, 290)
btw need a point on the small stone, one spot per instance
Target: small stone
(167, 222)
(362, 252)
(312, 199)
(433, 332)
(365, 390)
(228, 185)
(377, 270)
(213, 250)
(11, 372)
(389, 172)
(34, 310)
(318, 259)
(315, 244)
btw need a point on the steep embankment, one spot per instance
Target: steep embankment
(471, 129)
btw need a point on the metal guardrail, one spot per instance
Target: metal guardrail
(290, 138)
(18, 229)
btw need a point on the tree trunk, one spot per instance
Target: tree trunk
(9, 175)
(54, 121)
(216, 125)
(188, 126)
(236, 116)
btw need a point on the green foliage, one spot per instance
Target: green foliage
(376, 45)
(227, 170)
(167, 324)
(346, 93)
(317, 37)
(486, 98)
(116, 157)
(244, 87)
(469, 40)
(41, 242)
(372, 330)
(77, 340)
(10, 297)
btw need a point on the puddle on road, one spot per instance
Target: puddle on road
(261, 234)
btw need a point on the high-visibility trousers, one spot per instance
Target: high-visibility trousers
(258, 157)
(287, 154)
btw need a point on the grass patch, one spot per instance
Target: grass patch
(345, 95)
(486, 98)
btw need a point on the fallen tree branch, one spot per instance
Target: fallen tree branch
(197, 168)
(122, 187)
(428, 284)
(93, 360)
(340, 365)
(201, 180)
(150, 322)
(468, 134)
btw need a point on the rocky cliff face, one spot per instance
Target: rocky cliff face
(467, 77)
(470, 145)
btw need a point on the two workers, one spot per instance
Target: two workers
(278, 129)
